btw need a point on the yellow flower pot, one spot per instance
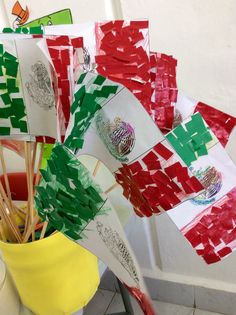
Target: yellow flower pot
(54, 276)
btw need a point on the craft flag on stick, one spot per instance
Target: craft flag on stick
(153, 181)
(212, 166)
(71, 201)
(221, 124)
(115, 115)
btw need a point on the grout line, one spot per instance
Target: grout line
(110, 302)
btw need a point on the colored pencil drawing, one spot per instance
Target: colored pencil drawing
(118, 136)
(118, 248)
(211, 179)
(40, 87)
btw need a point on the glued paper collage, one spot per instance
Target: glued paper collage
(96, 89)
(27, 96)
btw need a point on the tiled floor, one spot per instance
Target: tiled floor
(106, 302)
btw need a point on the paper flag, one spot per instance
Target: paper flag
(27, 99)
(37, 88)
(217, 173)
(221, 124)
(153, 181)
(116, 134)
(74, 204)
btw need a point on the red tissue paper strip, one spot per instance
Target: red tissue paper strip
(220, 123)
(45, 139)
(143, 300)
(61, 50)
(213, 232)
(123, 55)
(156, 182)
(164, 90)
(15, 146)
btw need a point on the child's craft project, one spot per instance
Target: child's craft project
(96, 89)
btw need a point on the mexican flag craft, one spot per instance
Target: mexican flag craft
(96, 89)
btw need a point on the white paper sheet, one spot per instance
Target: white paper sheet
(125, 107)
(37, 86)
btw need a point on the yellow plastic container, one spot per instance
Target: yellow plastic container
(54, 276)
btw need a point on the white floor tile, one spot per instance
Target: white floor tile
(117, 306)
(99, 304)
(161, 307)
(202, 312)
(170, 292)
(215, 301)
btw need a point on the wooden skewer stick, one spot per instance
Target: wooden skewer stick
(95, 171)
(2, 233)
(29, 170)
(31, 178)
(4, 196)
(111, 188)
(37, 179)
(34, 156)
(30, 229)
(4, 170)
(28, 219)
(44, 229)
(97, 166)
(20, 213)
(10, 215)
(11, 224)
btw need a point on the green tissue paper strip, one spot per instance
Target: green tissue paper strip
(37, 30)
(190, 139)
(12, 107)
(67, 196)
(93, 92)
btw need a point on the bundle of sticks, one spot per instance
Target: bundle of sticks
(20, 223)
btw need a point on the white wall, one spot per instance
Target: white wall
(201, 34)
(3, 16)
